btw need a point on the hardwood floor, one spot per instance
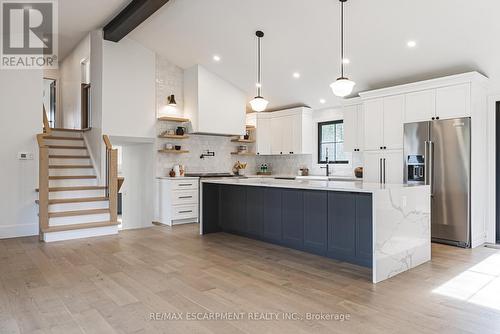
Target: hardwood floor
(113, 284)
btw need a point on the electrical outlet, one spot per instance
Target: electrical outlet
(24, 156)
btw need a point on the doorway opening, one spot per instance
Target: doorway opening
(50, 100)
(497, 171)
(85, 94)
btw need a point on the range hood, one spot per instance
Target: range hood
(214, 106)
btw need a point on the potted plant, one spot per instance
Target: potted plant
(239, 168)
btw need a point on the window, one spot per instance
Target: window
(331, 142)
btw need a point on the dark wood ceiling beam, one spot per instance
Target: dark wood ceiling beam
(132, 16)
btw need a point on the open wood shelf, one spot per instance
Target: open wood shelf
(250, 127)
(238, 140)
(173, 119)
(242, 153)
(173, 151)
(173, 136)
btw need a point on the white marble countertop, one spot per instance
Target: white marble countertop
(177, 178)
(350, 186)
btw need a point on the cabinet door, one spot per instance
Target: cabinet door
(341, 225)
(360, 128)
(315, 221)
(293, 217)
(276, 135)
(373, 125)
(420, 106)
(263, 136)
(394, 107)
(394, 165)
(297, 134)
(453, 101)
(287, 134)
(364, 231)
(254, 211)
(232, 210)
(371, 169)
(351, 125)
(272, 214)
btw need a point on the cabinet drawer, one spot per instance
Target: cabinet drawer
(184, 211)
(184, 184)
(185, 196)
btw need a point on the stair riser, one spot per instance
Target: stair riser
(78, 234)
(58, 161)
(65, 151)
(72, 183)
(71, 171)
(78, 206)
(66, 134)
(64, 142)
(76, 194)
(60, 221)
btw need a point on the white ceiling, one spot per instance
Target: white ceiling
(303, 35)
(78, 17)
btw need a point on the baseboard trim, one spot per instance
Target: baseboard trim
(18, 230)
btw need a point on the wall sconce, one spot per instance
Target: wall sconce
(171, 101)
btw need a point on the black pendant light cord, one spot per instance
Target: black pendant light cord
(259, 35)
(342, 38)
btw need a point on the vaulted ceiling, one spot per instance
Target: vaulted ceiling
(302, 36)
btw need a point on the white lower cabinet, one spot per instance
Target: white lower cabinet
(179, 200)
(384, 166)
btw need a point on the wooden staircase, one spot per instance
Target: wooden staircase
(72, 203)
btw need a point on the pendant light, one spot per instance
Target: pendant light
(259, 103)
(342, 86)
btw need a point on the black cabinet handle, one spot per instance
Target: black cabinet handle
(181, 197)
(185, 184)
(433, 118)
(281, 152)
(437, 117)
(186, 211)
(385, 147)
(381, 148)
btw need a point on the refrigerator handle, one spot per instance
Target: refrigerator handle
(426, 163)
(431, 166)
(384, 171)
(380, 170)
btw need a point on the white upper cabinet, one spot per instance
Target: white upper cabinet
(373, 125)
(353, 128)
(420, 106)
(394, 107)
(393, 167)
(284, 132)
(453, 101)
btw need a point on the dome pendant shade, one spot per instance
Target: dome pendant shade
(342, 87)
(259, 104)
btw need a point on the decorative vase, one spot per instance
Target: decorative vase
(180, 131)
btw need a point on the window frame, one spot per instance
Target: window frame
(320, 132)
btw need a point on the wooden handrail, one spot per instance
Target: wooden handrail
(111, 178)
(46, 126)
(107, 142)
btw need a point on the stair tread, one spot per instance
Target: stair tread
(63, 138)
(53, 189)
(67, 147)
(72, 177)
(71, 227)
(77, 200)
(77, 213)
(69, 166)
(61, 156)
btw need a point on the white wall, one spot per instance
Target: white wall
(20, 121)
(138, 188)
(71, 80)
(128, 96)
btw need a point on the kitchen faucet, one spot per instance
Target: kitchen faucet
(327, 166)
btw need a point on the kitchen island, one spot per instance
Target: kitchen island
(382, 226)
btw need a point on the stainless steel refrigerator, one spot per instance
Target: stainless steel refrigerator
(438, 153)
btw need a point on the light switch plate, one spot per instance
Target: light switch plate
(25, 156)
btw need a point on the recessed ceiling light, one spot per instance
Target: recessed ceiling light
(296, 75)
(411, 44)
(346, 61)
(322, 101)
(216, 58)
